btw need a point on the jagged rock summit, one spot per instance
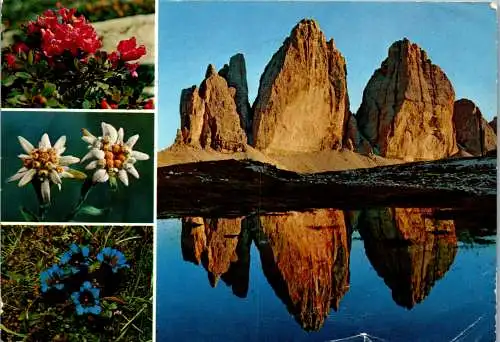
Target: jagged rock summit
(474, 134)
(302, 102)
(407, 107)
(209, 116)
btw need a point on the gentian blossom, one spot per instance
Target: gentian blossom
(46, 163)
(51, 279)
(87, 300)
(113, 258)
(76, 257)
(113, 158)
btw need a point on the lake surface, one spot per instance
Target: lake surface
(326, 274)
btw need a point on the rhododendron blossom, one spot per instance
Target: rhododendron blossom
(129, 51)
(62, 31)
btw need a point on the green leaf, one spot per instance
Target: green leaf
(8, 81)
(52, 103)
(28, 215)
(30, 57)
(23, 74)
(92, 211)
(77, 174)
(102, 85)
(48, 89)
(86, 104)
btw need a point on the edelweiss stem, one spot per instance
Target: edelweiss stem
(43, 207)
(86, 187)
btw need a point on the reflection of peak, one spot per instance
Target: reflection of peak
(307, 268)
(223, 249)
(409, 249)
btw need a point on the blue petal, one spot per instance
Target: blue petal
(86, 286)
(75, 296)
(80, 310)
(95, 292)
(96, 310)
(65, 258)
(100, 257)
(59, 286)
(74, 248)
(44, 287)
(85, 251)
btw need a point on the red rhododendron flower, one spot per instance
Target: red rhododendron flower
(106, 105)
(129, 51)
(132, 67)
(11, 60)
(63, 31)
(20, 47)
(149, 104)
(114, 57)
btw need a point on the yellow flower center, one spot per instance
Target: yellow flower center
(115, 155)
(43, 161)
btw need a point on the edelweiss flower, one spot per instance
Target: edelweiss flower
(113, 157)
(46, 163)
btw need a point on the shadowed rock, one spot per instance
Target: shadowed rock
(474, 134)
(221, 247)
(302, 102)
(407, 107)
(409, 249)
(305, 258)
(236, 76)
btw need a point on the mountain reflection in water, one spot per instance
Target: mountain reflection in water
(305, 255)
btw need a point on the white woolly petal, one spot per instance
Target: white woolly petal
(89, 139)
(100, 176)
(89, 155)
(17, 176)
(59, 186)
(25, 144)
(68, 160)
(99, 154)
(120, 136)
(23, 156)
(139, 155)
(54, 177)
(132, 140)
(46, 191)
(66, 174)
(110, 131)
(44, 142)
(132, 170)
(92, 165)
(59, 145)
(122, 175)
(27, 177)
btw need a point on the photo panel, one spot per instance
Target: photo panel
(78, 55)
(77, 167)
(326, 171)
(73, 283)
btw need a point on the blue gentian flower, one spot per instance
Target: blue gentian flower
(114, 258)
(74, 258)
(87, 300)
(52, 278)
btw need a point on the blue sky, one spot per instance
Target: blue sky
(459, 37)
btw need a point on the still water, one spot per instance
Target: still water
(325, 274)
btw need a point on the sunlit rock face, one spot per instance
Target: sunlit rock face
(209, 116)
(305, 258)
(302, 103)
(221, 247)
(409, 249)
(407, 107)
